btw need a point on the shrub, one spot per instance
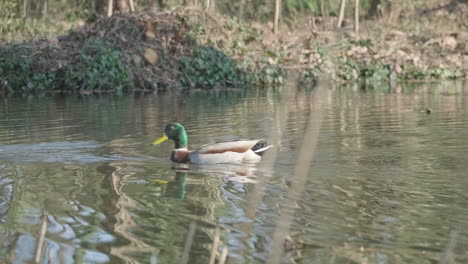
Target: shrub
(20, 72)
(269, 75)
(309, 78)
(375, 72)
(98, 66)
(207, 68)
(414, 73)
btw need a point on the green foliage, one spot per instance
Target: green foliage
(8, 17)
(362, 42)
(196, 34)
(207, 68)
(9, 21)
(369, 71)
(97, 67)
(443, 73)
(245, 32)
(413, 73)
(18, 23)
(15, 65)
(269, 75)
(309, 78)
(347, 69)
(238, 36)
(42, 81)
(21, 72)
(375, 72)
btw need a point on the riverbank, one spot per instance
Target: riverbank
(190, 48)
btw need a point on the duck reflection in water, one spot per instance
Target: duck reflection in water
(176, 188)
(172, 189)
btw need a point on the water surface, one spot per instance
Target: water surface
(388, 183)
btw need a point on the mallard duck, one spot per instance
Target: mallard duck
(238, 151)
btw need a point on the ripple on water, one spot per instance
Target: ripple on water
(59, 152)
(387, 185)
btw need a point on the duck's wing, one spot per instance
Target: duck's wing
(239, 146)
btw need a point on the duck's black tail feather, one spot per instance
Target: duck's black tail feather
(261, 147)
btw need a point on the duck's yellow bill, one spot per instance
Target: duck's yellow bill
(161, 181)
(161, 139)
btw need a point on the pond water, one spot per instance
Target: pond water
(80, 181)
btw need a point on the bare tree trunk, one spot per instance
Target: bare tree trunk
(110, 7)
(241, 9)
(277, 16)
(341, 17)
(213, 5)
(132, 6)
(207, 5)
(322, 7)
(395, 11)
(25, 8)
(327, 14)
(44, 8)
(122, 6)
(356, 16)
(374, 8)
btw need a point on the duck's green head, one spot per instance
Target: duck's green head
(176, 132)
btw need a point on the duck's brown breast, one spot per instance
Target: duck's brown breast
(180, 156)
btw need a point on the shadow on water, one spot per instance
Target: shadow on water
(356, 175)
